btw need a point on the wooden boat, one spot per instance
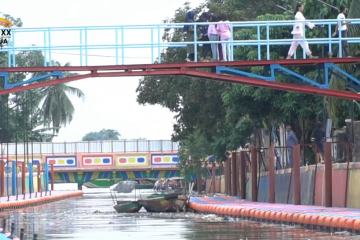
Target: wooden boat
(127, 206)
(144, 186)
(164, 202)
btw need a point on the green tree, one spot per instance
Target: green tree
(21, 113)
(223, 116)
(104, 134)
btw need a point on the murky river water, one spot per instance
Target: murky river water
(92, 217)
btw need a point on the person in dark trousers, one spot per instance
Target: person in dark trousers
(343, 27)
(189, 30)
(291, 140)
(206, 49)
(318, 136)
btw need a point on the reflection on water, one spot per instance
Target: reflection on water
(92, 217)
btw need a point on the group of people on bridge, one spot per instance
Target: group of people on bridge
(220, 29)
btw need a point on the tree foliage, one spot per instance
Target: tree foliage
(104, 134)
(33, 115)
(213, 117)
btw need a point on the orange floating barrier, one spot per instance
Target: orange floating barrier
(335, 222)
(314, 220)
(278, 216)
(332, 218)
(350, 223)
(327, 221)
(356, 224)
(273, 216)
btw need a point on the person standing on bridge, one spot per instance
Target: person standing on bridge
(206, 48)
(214, 36)
(224, 29)
(343, 27)
(298, 33)
(189, 30)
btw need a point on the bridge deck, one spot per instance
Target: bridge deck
(138, 68)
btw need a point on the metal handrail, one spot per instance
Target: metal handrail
(107, 146)
(153, 32)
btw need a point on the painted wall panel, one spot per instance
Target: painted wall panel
(97, 161)
(164, 159)
(338, 187)
(282, 182)
(319, 188)
(20, 159)
(307, 182)
(132, 160)
(354, 190)
(62, 161)
(263, 192)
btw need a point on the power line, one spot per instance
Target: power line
(91, 55)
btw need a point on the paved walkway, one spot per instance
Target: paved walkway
(27, 196)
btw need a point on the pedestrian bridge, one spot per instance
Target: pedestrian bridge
(137, 50)
(81, 162)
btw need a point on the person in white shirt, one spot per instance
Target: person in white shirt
(344, 43)
(298, 32)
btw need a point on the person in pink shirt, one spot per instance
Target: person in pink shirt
(224, 29)
(214, 36)
(298, 33)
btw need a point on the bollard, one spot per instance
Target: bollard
(4, 226)
(2, 177)
(22, 231)
(242, 175)
(39, 179)
(12, 231)
(254, 180)
(23, 177)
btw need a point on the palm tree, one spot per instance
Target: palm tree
(56, 106)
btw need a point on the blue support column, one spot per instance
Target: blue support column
(240, 73)
(46, 177)
(14, 175)
(270, 70)
(31, 178)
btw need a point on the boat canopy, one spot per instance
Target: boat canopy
(176, 178)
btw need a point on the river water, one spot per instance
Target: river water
(92, 217)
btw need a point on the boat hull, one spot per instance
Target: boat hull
(144, 186)
(163, 204)
(99, 183)
(127, 207)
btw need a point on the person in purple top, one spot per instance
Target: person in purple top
(224, 29)
(291, 140)
(214, 36)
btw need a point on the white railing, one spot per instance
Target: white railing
(115, 146)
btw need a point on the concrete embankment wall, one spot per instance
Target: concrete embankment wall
(345, 185)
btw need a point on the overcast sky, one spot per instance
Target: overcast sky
(110, 102)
